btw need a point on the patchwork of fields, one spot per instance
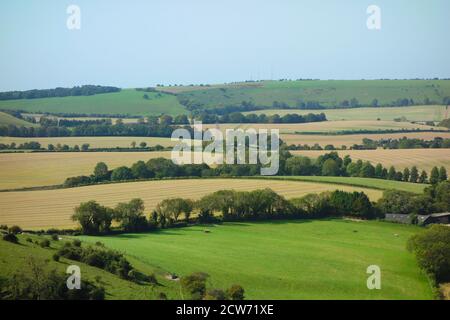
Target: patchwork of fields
(424, 159)
(349, 140)
(94, 142)
(53, 208)
(286, 259)
(328, 126)
(414, 113)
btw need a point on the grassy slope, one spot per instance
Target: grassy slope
(13, 257)
(360, 182)
(328, 93)
(127, 101)
(7, 119)
(287, 260)
(415, 113)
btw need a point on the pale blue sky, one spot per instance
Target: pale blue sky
(133, 43)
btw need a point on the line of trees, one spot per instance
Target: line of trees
(224, 205)
(86, 90)
(237, 117)
(86, 130)
(330, 164)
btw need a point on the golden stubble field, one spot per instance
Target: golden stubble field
(326, 126)
(19, 170)
(424, 159)
(53, 208)
(351, 139)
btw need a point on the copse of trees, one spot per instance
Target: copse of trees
(435, 199)
(42, 283)
(432, 249)
(224, 205)
(86, 90)
(195, 286)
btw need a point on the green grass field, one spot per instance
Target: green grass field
(328, 93)
(7, 119)
(14, 257)
(414, 113)
(359, 182)
(324, 259)
(127, 101)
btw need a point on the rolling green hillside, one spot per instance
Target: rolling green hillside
(124, 102)
(7, 119)
(328, 93)
(325, 259)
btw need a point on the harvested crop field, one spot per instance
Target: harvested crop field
(414, 113)
(424, 159)
(53, 208)
(20, 170)
(327, 126)
(351, 139)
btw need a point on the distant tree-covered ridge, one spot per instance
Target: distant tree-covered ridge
(86, 90)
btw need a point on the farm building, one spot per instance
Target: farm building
(423, 220)
(440, 218)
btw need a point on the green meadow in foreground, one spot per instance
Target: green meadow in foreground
(322, 259)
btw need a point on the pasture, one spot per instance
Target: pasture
(358, 182)
(423, 159)
(128, 101)
(414, 113)
(15, 257)
(53, 208)
(20, 170)
(329, 93)
(349, 140)
(322, 259)
(7, 119)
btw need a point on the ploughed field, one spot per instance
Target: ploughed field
(54, 208)
(322, 259)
